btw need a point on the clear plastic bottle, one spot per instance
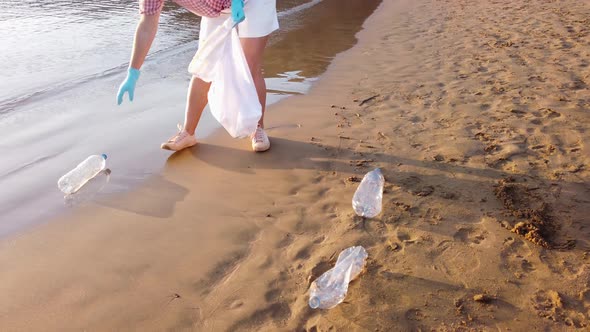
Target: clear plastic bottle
(330, 288)
(368, 198)
(86, 170)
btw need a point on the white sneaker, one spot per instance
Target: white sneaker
(260, 141)
(180, 141)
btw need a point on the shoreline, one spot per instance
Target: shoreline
(83, 120)
(436, 95)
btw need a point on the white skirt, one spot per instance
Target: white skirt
(261, 20)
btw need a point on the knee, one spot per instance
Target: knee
(254, 58)
(254, 62)
(254, 51)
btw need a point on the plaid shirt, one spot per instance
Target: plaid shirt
(207, 8)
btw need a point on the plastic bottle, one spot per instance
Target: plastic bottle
(330, 288)
(86, 170)
(90, 190)
(368, 198)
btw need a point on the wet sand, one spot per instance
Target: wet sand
(46, 135)
(476, 114)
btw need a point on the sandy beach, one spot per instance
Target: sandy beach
(476, 112)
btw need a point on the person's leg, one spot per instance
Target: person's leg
(254, 51)
(196, 100)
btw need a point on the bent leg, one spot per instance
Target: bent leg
(196, 100)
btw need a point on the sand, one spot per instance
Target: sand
(476, 114)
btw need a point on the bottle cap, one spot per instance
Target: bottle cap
(314, 302)
(104, 156)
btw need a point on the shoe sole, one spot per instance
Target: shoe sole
(166, 147)
(259, 150)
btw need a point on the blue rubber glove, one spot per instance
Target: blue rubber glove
(128, 85)
(237, 11)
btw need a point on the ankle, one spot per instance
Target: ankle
(190, 132)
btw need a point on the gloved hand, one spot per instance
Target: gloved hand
(128, 85)
(237, 11)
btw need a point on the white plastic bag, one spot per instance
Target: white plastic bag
(210, 50)
(232, 97)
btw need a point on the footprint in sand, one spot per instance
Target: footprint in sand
(272, 295)
(501, 154)
(405, 238)
(304, 253)
(319, 240)
(560, 308)
(576, 147)
(414, 315)
(541, 116)
(518, 113)
(549, 113)
(566, 267)
(415, 186)
(515, 256)
(285, 241)
(470, 235)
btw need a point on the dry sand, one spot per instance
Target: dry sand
(479, 124)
